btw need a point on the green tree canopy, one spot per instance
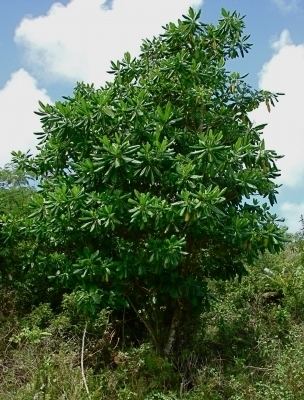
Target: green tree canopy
(147, 184)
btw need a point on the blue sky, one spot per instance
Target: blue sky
(47, 46)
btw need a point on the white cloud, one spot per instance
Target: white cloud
(18, 101)
(287, 5)
(285, 130)
(292, 212)
(283, 40)
(78, 41)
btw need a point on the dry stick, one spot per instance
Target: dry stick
(81, 361)
(258, 368)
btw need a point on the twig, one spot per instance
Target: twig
(258, 368)
(81, 361)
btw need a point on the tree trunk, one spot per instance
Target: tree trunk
(172, 332)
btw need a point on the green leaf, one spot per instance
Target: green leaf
(108, 111)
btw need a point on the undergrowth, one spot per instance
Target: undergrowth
(250, 345)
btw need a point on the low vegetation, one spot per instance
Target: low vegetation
(250, 345)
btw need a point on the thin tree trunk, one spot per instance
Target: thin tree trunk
(172, 333)
(147, 325)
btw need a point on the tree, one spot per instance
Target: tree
(148, 184)
(15, 195)
(15, 190)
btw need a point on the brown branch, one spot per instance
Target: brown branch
(146, 323)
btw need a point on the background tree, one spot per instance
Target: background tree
(146, 184)
(15, 190)
(15, 196)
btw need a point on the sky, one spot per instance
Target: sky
(47, 46)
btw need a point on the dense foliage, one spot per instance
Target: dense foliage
(15, 196)
(143, 182)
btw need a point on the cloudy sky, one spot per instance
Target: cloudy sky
(46, 46)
